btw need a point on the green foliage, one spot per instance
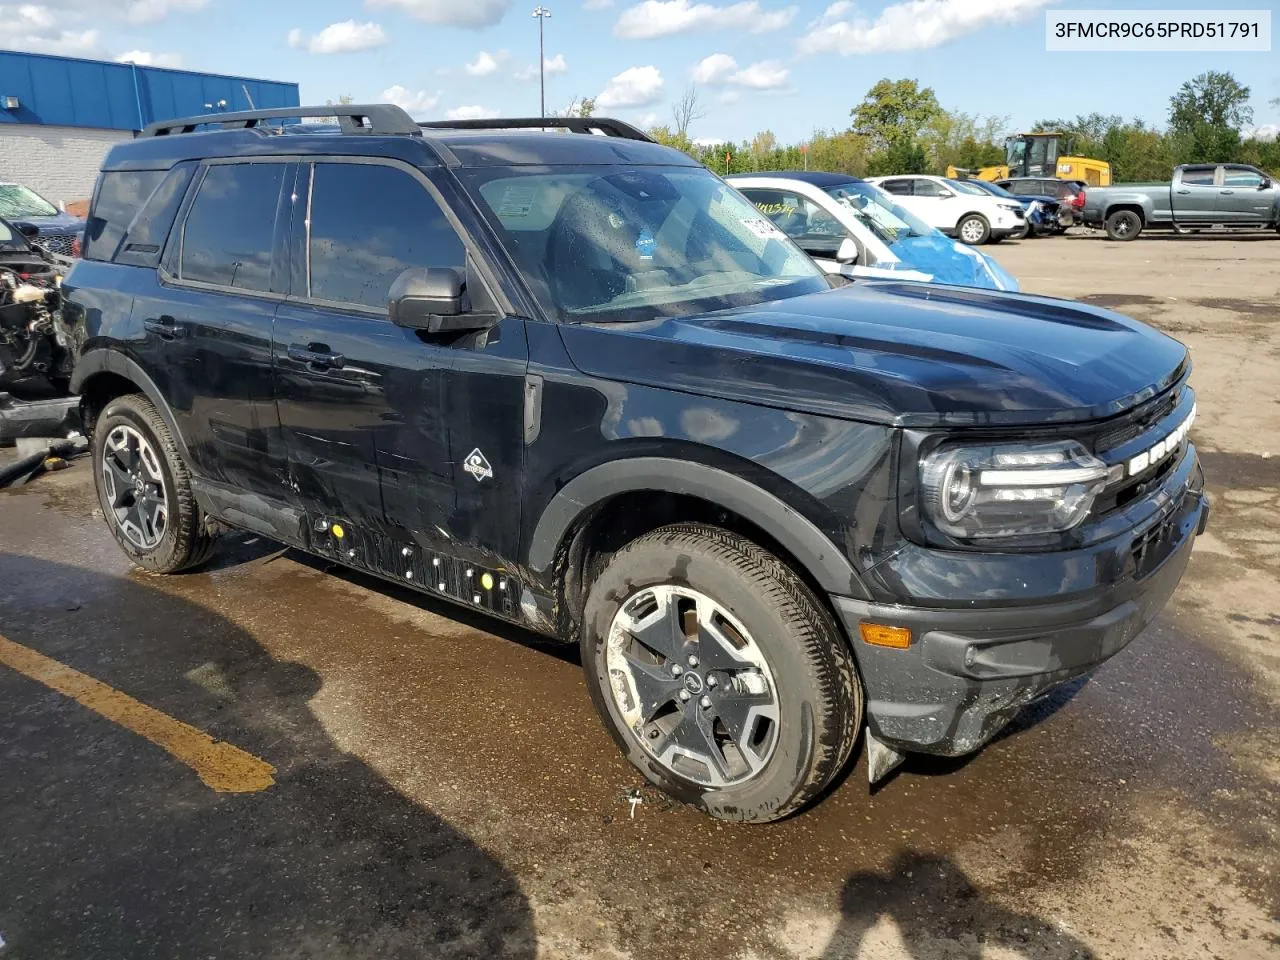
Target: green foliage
(900, 127)
(895, 111)
(1213, 99)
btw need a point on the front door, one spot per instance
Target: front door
(1245, 197)
(406, 437)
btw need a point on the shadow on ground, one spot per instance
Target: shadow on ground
(938, 912)
(113, 849)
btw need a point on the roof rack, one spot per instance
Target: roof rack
(374, 118)
(594, 125)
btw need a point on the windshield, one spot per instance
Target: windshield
(17, 201)
(876, 210)
(620, 243)
(965, 186)
(1015, 152)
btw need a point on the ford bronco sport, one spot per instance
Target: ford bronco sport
(571, 378)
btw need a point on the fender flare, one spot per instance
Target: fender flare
(792, 530)
(103, 360)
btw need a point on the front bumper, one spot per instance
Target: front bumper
(969, 671)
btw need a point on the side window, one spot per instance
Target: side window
(1247, 179)
(928, 188)
(120, 196)
(1199, 177)
(370, 222)
(229, 233)
(900, 187)
(149, 229)
(814, 229)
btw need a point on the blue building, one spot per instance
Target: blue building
(59, 115)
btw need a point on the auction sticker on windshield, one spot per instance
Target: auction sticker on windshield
(764, 229)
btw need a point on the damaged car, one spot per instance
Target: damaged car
(35, 354)
(573, 380)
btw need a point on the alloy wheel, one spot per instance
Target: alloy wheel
(134, 487)
(692, 685)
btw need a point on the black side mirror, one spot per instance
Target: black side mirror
(433, 299)
(1266, 184)
(28, 230)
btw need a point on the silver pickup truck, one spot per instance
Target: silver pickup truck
(1201, 195)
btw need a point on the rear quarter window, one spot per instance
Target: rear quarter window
(120, 195)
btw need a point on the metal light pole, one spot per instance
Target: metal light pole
(541, 14)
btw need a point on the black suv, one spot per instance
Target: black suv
(573, 379)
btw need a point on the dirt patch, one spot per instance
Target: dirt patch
(1236, 470)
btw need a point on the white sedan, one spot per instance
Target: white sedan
(956, 208)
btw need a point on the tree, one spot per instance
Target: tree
(1215, 98)
(1205, 117)
(895, 112)
(584, 107)
(687, 111)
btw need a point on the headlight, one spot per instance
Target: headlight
(1010, 490)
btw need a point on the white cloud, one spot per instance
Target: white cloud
(720, 70)
(765, 75)
(347, 36)
(731, 96)
(453, 13)
(715, 69)
(661, 18)
(912, 25)
(708, 141)
(834, 12)
(486, 63)
(416, 103)
(635, 87)
(471, 113)
(144, 58)
(647, 120)
(1264, 131)
(551, 66)
(153, 11)
(71, 27)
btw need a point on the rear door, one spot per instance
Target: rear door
(944, 207)
(207, 322)
(924, 205)
(1246, 196)
(1195, 194)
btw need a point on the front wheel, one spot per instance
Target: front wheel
(973, 230)
(1123, 225)
(719, 674)
(144, 488)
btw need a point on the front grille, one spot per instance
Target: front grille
(1138, 422)
(55, 243)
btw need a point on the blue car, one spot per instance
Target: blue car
(1044, 213)
(56, 231)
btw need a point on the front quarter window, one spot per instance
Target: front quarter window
(626, 243)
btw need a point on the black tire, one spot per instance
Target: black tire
(186, 540)
(1123, 226)
(819, 698)
(978, 232)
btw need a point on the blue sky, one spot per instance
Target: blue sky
(791, 66)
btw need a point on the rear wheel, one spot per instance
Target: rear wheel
(144, 488)
(973, 229)
(1123, 225)
(719, 674)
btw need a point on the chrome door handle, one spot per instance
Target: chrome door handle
(316, 355)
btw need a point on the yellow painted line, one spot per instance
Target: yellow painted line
(222, 767)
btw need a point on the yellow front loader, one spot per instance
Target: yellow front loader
(1042, 155)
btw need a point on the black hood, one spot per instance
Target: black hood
(906, 354)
